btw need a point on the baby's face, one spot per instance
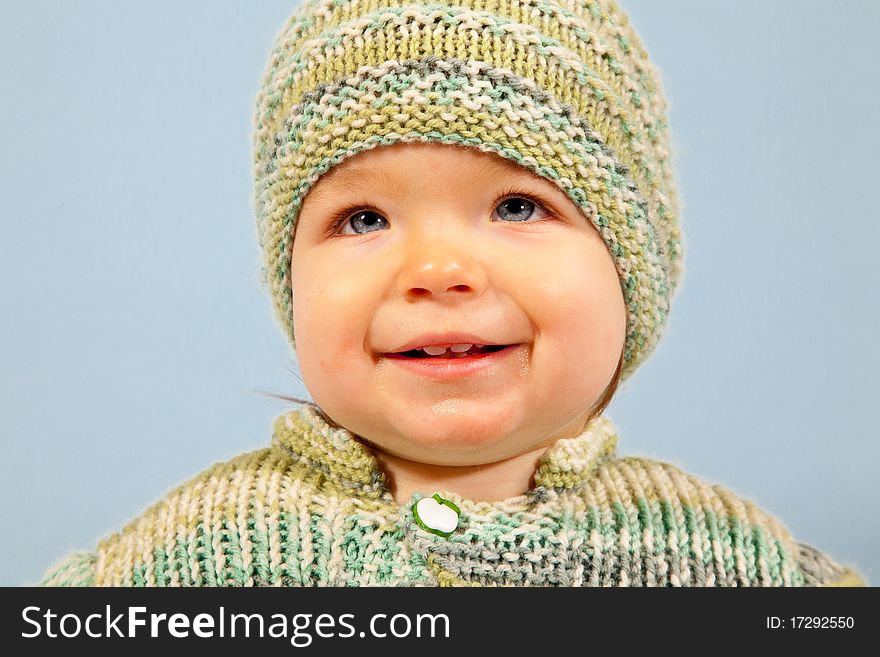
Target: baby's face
(433, 240)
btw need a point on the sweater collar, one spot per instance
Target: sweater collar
(337, 455)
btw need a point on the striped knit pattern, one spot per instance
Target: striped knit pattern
(314, 509)
(563, 88)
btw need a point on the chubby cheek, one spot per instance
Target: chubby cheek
(330, 317)
(581, 320)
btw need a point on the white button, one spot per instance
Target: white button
(436, 515)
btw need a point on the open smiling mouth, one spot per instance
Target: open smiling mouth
(455, 351)
(456, 361)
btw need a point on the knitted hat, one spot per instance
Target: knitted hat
(563, 88)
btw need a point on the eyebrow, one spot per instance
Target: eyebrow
(361, 177)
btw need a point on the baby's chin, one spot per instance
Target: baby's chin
(453, 432)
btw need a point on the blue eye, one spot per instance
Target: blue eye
(516, 208)
(363, 218)
(359, 215)
(368, 219)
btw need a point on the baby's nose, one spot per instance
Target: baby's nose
(441, 273)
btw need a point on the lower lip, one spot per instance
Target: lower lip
(452, 368)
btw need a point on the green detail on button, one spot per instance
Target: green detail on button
(434, 517)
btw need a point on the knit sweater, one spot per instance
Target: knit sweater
(315, 509)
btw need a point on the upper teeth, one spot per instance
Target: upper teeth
(456, 348)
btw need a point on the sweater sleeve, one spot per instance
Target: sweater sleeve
(821, 570)
(76, 569)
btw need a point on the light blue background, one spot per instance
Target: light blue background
(135, 338)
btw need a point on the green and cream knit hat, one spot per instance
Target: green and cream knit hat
(561, 87)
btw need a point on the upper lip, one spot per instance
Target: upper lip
(444, 340)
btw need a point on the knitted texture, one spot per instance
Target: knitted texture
(314, 509)
(563, 88)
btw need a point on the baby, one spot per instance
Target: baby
(471, 236)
